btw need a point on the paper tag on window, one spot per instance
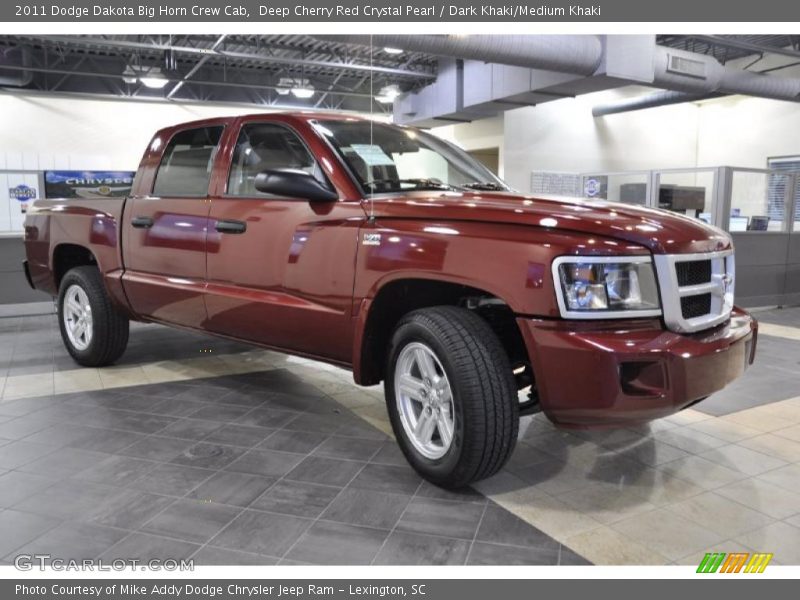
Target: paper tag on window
(372, 154)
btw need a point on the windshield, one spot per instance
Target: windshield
(386, 158)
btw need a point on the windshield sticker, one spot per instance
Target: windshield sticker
(372, 154)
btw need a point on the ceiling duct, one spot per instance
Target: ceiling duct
(687, 76)
(690, 77)
(736, 81)
(480, 76)
(577, 54)
(654, 100)
(16, 58)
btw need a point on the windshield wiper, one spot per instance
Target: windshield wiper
(484, 186)
(419, 183)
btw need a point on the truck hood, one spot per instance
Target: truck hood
(662, 232)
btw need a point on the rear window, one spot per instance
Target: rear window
(185, 168)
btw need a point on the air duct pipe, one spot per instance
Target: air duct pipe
(657, 99)
(578, 54)
(736, 81)
(15, 78)
(690, 77)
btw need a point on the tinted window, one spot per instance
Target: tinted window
(185, 168)
(264, 146)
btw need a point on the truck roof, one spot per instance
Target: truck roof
(305, 115)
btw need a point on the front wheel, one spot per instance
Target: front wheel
(451, 396)
(94, 332)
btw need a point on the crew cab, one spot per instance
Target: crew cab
(387, 251)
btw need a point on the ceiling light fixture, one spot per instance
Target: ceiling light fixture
(301, 88)
(388, 94)
(303, 92)
(129, 75)
(154, 79)
(390, 50)
(298, 87)
(285, 85)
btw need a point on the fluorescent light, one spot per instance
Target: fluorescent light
(303, 92)
(154, 79)
(390, 50)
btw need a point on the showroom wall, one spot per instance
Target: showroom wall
(563, 136)
(744, 132)
(63, 132)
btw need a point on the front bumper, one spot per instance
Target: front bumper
(615, 373)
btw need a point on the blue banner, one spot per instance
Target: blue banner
(87, 184)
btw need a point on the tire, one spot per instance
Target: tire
(484, 406)
(107, 328)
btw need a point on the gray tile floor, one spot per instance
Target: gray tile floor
(262, 468)
(245, 469)
(31, 344)
(789, 316)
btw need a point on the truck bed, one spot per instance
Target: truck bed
(60, 226)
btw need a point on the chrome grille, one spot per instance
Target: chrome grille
(696, 289)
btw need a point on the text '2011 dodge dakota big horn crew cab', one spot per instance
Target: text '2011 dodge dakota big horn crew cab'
(390, 252)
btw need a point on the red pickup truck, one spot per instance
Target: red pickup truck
(390, 252)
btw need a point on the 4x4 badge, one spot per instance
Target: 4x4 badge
(371, 239)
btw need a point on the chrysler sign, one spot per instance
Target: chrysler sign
(87, 184)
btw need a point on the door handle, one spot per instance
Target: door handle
(231, 226)
(142, 222)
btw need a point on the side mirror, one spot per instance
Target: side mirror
(294, 183)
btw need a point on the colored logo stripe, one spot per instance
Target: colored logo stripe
(735, 562)
(758, 562)
(711, 562)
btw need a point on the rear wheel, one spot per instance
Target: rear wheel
(94, 332)
(451, 396)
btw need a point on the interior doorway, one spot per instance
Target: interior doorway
(490, 157)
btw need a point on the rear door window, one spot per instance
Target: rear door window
(185, 168)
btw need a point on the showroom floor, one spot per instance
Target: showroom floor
(198, 447)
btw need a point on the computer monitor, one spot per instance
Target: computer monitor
(738, 224)
(758, 223)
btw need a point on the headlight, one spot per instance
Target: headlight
(592, 287)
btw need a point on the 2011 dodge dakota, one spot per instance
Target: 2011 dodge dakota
(388, 251)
